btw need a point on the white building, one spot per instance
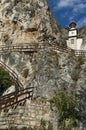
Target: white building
(73, 41)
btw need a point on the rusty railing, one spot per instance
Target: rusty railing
(15, 97)
(13, 75)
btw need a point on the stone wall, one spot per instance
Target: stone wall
(29, 114)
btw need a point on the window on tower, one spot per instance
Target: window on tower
(72, 41)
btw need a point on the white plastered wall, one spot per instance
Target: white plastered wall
(72, 45)
(76, 45)
(79, 43)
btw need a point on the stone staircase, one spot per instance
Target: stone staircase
(12, 117)
(26, 114)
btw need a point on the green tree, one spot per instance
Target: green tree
(5, 81)
(65, 106)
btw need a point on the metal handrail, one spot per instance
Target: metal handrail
(33, 48)
(12, 74)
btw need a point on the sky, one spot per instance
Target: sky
(66, 11)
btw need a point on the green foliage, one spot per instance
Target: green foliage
(65, 106)
(5, 80)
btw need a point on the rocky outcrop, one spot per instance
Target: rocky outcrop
(47, 70)
(54, 70)
(51, 71)
(19, 63)
(27, 21)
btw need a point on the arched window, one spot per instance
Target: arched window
(72, 41)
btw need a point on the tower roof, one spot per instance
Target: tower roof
(72, 25)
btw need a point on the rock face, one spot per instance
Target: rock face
(19, 63)
(27, 21)
(53, 71)
(47, 70)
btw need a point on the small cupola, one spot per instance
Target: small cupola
(72, 30)
(72, 25)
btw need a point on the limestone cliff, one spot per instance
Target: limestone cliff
(27, 21)
(47, 70)
(54, 70)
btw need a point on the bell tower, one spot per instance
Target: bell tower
(73, 41)
(72, 30)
